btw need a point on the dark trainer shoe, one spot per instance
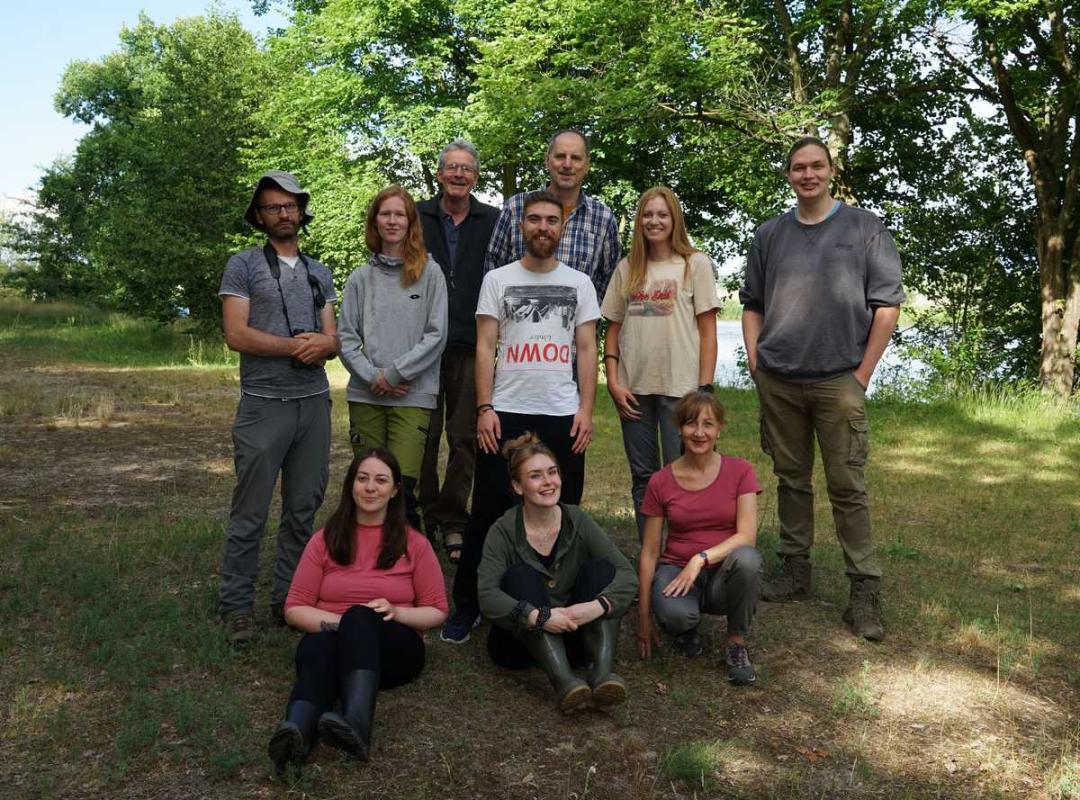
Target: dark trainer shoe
(689, 643)
(458, 628)
(739, 669)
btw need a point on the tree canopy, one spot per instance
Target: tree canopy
(955, 121)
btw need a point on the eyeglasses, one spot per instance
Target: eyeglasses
(277, 209)
(467, 169)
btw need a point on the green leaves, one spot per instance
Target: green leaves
(154, 190)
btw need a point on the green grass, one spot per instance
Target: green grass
(696, 763)
(117, 682)
(854, 695)
(46, 332)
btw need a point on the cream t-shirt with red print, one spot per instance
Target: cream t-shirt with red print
(659, 344)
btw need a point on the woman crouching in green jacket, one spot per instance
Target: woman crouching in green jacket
(554, 585)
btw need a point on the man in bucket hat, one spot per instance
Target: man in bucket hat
(277, 308)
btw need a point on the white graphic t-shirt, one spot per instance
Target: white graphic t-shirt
(538, 313)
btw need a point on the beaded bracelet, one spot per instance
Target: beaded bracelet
(542, 616)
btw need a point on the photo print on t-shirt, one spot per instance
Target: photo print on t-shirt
(657, 300)
(541, 305)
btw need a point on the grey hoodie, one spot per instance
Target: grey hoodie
(398, 329)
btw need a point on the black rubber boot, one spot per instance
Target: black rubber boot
(548, 650)
(294, 737)
(351, 729)
(601, 638)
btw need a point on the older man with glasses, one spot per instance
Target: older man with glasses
(457, 228)
(277, 308)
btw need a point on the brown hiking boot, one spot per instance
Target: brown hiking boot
(239, 626)
(863, 612)
(791, 581)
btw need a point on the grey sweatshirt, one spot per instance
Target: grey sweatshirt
(817, 287)
(398, 329)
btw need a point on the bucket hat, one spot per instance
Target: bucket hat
(285, 181)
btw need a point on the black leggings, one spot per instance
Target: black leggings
(363, 641)
(522, 582)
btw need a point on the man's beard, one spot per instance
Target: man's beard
(541, 247)
(282, 231)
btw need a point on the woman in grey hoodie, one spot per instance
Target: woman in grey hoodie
(393, 331)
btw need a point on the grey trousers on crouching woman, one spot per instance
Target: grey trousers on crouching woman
(730, 589)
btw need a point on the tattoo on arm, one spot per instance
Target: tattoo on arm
(328, 627)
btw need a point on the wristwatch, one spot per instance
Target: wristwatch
(704, 557)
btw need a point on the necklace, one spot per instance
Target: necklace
(542, 537)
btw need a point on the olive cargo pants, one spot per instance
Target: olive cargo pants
(833, 410)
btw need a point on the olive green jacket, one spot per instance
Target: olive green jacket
(580, 540)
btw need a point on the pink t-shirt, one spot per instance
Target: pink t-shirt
(698, 520)
(415, 580)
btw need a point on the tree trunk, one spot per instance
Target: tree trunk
(1059, 289)
(429, 179)
(839, 141)
(509, 180)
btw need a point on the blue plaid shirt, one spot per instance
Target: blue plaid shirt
(589, 243)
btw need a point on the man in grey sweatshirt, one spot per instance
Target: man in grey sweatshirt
(820, 301)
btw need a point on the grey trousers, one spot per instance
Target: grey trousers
(448, 507)
(271, 436)
(730, 590)
(642, 451)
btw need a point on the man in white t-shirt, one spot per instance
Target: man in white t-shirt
(532, 317)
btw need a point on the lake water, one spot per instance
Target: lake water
(729, 351)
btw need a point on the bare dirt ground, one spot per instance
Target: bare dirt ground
(928, 713)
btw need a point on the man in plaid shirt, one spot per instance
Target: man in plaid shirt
(590, 238)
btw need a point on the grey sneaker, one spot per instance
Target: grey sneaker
(689, 643)
(239, 626)
(791, 581)
(739, 669)
(863, 612)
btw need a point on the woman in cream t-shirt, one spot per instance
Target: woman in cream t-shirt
(661, 337)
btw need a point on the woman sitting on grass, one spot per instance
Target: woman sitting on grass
(710, 564)
(366, 587)
(393, 330)
(554, 584)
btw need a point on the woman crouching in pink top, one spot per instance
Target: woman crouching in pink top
(366, 587)
(709, 564)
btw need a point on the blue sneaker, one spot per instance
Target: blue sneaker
(459, 626)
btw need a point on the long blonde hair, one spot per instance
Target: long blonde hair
(639, 249)
(415, 253)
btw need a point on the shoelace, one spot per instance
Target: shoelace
(737, 655)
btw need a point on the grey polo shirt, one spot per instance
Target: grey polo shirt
(247, 275)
